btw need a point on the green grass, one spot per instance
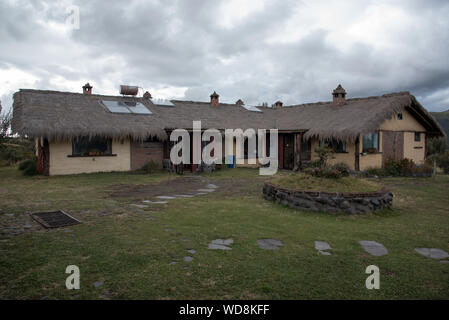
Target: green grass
(131, 252)
(302, 181)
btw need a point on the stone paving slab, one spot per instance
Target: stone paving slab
(212, 186)
(184, 195)
(221, 244)
(322, 245)
(433, 253)
(324, 253)
(206, 190)
(269, 244)
(192, 251)
(166, 197)
(373, 248)
(155, 202)
(188, 259)
(141, 206)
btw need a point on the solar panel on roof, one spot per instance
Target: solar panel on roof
(162, 102)
(126, 107)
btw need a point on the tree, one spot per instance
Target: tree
(436, 146)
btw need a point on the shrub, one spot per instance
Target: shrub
(151, 167)
(343, 168)
(330, 173)
(436, 146)
(324, 153)
(404, 167)
(443, 161)
(375, 172)
(28, 167)
(314, 164)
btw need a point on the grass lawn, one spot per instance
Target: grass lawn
(130, 249)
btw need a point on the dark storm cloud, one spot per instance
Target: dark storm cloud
(296, 51)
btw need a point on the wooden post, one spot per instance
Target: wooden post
(281, 151)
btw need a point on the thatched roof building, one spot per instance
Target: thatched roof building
(65, 115)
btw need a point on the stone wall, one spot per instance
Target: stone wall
(330, 202)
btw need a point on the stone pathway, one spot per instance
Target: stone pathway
(269, 244)
(206, 190)
(220, 244)
(322, 246)
(433, 253)
(199, 192)
(154, 202)
(373, 248)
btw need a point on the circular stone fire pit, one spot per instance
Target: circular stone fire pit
(330, 202)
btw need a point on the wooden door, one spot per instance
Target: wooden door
(289, 151)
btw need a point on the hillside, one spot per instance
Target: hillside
(443, 119)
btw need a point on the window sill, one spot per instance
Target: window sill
(101, 155)
(369, 153)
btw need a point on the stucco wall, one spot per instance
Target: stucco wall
(414, 150)
(347, 158)
(408, 123)
(60, 163)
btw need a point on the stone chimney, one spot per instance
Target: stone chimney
(239, 102)
(339, 96)
(214, 99)
(87, 89)
(147, 95)
(278, 104)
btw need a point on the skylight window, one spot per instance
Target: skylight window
(126, 107)
(251, 108)
(162, 102)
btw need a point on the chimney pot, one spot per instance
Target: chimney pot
(278, 104)
(339, 96)
(147, 95)
(239, 102)
(87, 89)
(214, 99)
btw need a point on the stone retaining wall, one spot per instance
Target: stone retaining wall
(330, 202)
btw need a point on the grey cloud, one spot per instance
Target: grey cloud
(181, 44)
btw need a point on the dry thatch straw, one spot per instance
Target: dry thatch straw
(64, 116)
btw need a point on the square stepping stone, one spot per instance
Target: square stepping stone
(212, 186)
(322, 245)
(188, 259)
(269, 244)
(221, 244)
(373, 248)
(192, 251)
(155, 202)
(433, 253)
(324, 253)
(141, 206)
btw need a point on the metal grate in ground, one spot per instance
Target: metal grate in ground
(54, 219)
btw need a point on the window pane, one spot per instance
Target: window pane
(371, 142)
(91, 147)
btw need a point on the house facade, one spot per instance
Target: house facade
(85, 133)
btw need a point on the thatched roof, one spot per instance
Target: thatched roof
(64, 115)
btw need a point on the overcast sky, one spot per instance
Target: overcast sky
(254, 50)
